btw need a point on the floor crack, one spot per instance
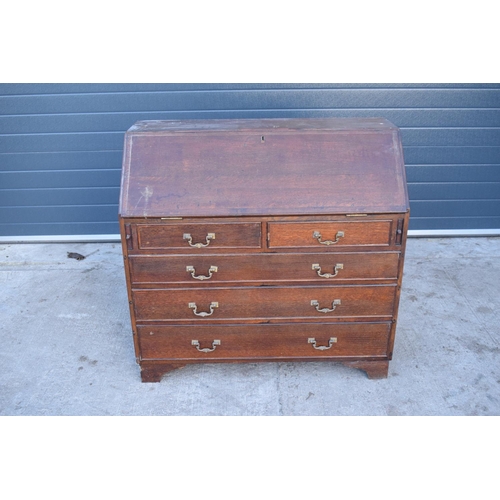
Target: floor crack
(278, 388)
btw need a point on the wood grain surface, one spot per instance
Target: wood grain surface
(171, 236)
(285, 168)
(264, 303)
(263, 268)
(264, 341)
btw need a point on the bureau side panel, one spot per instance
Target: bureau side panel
(404, 236)
(127, 243)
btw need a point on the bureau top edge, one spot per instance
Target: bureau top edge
(267, 217)
(265, 124)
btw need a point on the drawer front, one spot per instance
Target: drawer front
(264, 341)
(258, 268)
(263, 303)
(329, 235)
(199, 237)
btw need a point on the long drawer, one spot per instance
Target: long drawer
(261, 268)
(262, 303)
(264, 341)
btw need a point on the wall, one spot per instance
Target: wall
(61, 144)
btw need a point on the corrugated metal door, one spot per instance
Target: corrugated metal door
(61, 144)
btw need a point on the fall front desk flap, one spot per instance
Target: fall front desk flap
(262, 167)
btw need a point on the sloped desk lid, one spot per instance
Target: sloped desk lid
(204, 168)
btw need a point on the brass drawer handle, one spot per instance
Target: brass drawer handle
(335, 303)
(317, 235)
(191, 269)
(187, 236)
(203, 314)
(215, 343)
(332, 341)
(336, 269)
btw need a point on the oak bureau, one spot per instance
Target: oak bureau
(263, 240)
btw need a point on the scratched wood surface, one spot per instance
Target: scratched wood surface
(274, 167)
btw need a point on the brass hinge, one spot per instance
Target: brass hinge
(356, 215)
(399, 231)
(170, 218)
(128, 236)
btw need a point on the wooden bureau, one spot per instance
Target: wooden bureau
(263, 240)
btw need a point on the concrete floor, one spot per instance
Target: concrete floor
(66, 344)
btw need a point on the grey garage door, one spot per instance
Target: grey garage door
(61, 145)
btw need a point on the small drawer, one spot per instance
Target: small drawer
(296, 340)
(206, 270)
(329, 235)
(198, 237)
(317, 303)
